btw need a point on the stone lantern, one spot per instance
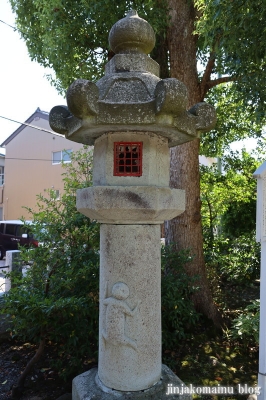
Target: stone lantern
(132, 117)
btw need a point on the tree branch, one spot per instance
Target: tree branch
(206, 82)
(210, 84)
(207, 74)
(47, 284)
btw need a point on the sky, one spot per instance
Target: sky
(24, 87)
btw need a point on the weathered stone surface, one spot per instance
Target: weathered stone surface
(88, 387)
(137, 62)
(127, 113)
(155, 160)
(132, 34)
(62, 121)
(82, 98)
(206, 116)
(117, 88)
(171, 97)
(130, 204)
(131, 95)
(130, 311)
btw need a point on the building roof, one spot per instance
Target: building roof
(38, 113)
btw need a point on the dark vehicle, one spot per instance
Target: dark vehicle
(14, 233)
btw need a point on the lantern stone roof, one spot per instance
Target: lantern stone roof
(131, 96)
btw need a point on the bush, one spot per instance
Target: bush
(236, 260)
(246, 326)
(57, 301)
(178, 313)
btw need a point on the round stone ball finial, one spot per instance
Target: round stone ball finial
(132, 34)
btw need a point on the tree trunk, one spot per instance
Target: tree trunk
(186, 230)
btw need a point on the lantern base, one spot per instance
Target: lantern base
(87, 386)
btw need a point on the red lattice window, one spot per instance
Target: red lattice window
(128, 158)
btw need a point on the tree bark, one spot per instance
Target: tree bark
(186, 231)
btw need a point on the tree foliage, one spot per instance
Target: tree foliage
(230, 31)
(229, 196)
(229, 218)
(236, 121)
(72, 38)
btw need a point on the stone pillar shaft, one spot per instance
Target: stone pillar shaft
(130, 327)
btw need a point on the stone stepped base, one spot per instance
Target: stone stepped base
(87, 386)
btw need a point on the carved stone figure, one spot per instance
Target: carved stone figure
(116, 312)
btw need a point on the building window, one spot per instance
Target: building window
(2, 175)
(128, 158)
(55, 194)
(61, 156)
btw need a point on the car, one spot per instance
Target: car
(14, 233)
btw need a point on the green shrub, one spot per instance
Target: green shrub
(57, 301)
(246, 325)
(178, 312)
(66, 312)
(236, 260)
